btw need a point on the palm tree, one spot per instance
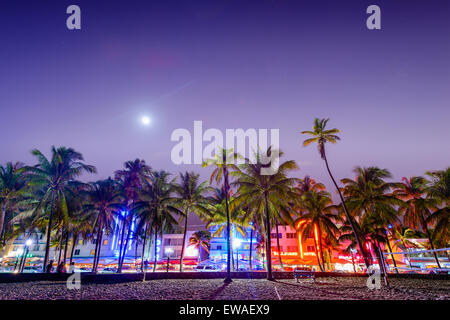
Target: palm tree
(318, 214)
(191, 197)
(200, 240)
(13, 186)
(157, 205)
(321, 136)
(369, 197)
(266, 193)
(224, 163)
(53, 176)
(439, 189)
(217, 216)
(102, 203)
(418, 207)
(130, 181)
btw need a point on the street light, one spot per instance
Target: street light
(236, 244)
(168, 252)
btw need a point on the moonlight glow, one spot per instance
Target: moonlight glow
(145, 120)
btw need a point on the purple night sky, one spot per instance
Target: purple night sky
(232, 64)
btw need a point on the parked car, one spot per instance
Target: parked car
(31, 269)
(207, 268)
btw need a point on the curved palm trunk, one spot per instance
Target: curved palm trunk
(228, 278)
(268, 242)
(49, 231)
(278, 247)
(186, 213)
(251, 249)
(349, 218)
(431, 242)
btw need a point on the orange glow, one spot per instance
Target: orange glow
(300, 237)
(317, 238)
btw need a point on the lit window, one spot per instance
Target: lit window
(105, 242)
(92, 252)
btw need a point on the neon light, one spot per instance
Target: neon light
(300, 237)
(317, 238)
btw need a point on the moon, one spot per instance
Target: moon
(145, 120)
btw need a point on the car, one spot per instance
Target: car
(109, 270)
(30, 269)
(207, 268)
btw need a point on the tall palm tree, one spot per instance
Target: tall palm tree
(217, 217)
(13, 186)
(418, 207)
(224, 164)
(53, 176)
(321, 136)
(130, 181)
(200, 240)
(157, 204)
(102, 202)
(265, 194)
(191, 198)
(439, 189)
(369, 197)
(318, 214)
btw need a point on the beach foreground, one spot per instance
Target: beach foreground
(332, 288)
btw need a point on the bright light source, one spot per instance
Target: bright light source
(168, 250)
(145, 120)
(29, 242)
(236, 243)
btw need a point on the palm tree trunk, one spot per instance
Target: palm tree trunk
(136, 252)
(74, 243)
(126, 243)
(155, 257)
(65, 247)
(228, 277)
(278, 247)
(268, 241)
(390, 251)
(99, 250)
(251, 249)
(319, 231)
(2, 218)
(143, 246)
(431, 242)
(61, 235)
(349, 218)
(119, 266)
(49, 231)
(97, 244)
(186, 213)
(317, 254)
(379, 257)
